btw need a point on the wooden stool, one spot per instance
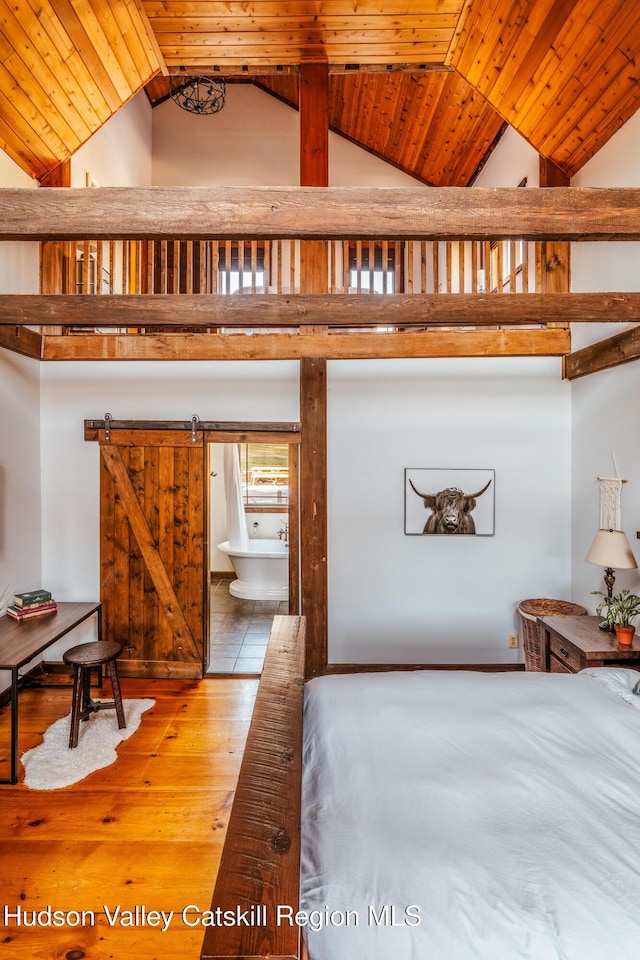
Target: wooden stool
(82, 658)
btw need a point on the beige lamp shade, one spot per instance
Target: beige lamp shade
(610, 548)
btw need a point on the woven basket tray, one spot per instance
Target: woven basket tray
(530, 610)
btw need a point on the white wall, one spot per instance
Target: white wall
(510, 415)
(32, 554)
(73, 392)
(390, 595)
(350, 166)
(609, 265)
(19, 263)
(606, 406)
(606, 419)
(511, 161)
(443, 599)
(19, 473)
(20, 536)
(119, 153)
(20, 544)
(253, 140)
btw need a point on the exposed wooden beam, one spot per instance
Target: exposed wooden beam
(314, 125)
(293, 517)
(622, 348)
(314, 165)
(248, 70)
(551, 175)
(313, 511)
(260, 862)
(293, 346)
(566, 213)
(416, 68)
(556, 255)
(60, 176)
(21, 340)
(54, 257)
(336, 310)
(241, 71)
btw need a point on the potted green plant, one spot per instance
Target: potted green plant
(619, 611)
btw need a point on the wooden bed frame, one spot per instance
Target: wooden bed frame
(260, 864)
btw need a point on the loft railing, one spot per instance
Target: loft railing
(157, 267)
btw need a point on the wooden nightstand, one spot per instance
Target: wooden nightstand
(573, 643)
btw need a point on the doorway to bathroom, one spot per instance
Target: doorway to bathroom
(156, 517)
(253, 547)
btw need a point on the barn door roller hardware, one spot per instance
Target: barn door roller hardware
(107, 426)
(195, 420)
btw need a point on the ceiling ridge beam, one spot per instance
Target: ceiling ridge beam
(249, 70)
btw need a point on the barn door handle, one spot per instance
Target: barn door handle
(565, 653)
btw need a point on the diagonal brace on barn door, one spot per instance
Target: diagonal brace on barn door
(149, 550)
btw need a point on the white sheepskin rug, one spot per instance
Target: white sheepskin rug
(52, 764)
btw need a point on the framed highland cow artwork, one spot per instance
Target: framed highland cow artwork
(442, 502)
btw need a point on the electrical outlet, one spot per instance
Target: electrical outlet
(513, 641)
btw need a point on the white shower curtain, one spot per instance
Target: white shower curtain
(236, 517)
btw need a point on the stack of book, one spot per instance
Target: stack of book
(34, 603)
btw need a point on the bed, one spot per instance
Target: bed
(466, 816)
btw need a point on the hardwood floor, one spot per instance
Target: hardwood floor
(146, 832)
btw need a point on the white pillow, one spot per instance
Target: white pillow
(623, 682)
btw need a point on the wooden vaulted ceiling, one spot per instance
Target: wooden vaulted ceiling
(427, 85)
(413, 121)
(65, 69)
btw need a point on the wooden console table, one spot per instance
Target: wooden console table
(572, 643)
(21, 642)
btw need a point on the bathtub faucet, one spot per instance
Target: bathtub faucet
(283, 533)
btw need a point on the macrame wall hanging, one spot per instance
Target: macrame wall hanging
(610, 491)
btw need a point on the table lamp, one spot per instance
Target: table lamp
(610, 549)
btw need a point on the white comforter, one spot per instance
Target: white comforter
(506, 807)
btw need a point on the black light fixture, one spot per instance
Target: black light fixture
(199, 95)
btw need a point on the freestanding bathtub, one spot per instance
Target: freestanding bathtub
(262, 570)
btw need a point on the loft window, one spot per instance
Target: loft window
(265, 474)
(241, 267)
(373, 267)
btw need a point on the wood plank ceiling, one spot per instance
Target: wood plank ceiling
(65, 69)
(564, 73)
(425, 84)
(413, 121)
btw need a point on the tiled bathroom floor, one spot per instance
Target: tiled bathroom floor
(239, 630)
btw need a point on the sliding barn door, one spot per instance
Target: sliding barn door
(152, 551)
